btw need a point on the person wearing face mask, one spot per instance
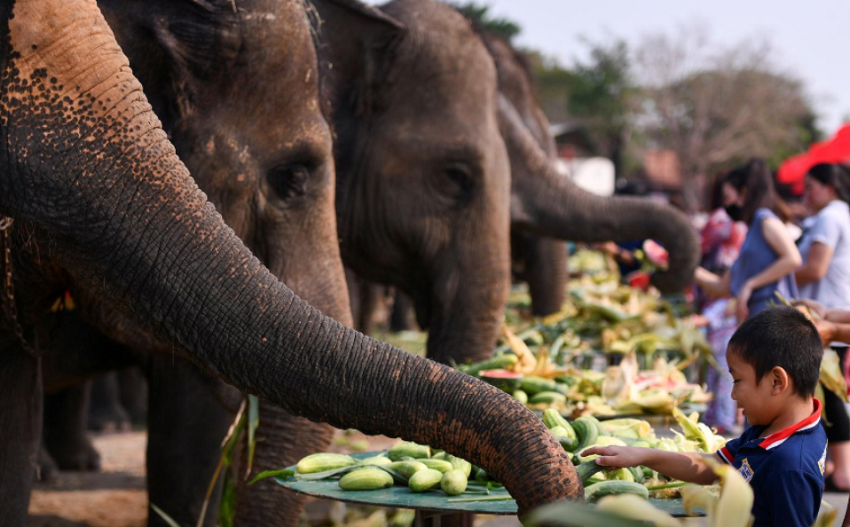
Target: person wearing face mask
(824, 278)
(768, 255)
(721, 240)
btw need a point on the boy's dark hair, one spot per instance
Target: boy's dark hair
(784, 337)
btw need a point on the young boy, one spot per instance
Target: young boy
(774, 359)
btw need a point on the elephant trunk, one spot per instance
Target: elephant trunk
(315, 274)
(130, 224)
(546, 203)
(470, 287)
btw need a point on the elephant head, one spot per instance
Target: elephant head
(89, 170)
(237, 91)
(257, 144)
(422, 172)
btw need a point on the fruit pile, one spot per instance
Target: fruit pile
(587, 431)
(410, 464)
(422, 469)
(602, 317)
(619, 390)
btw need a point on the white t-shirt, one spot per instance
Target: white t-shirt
(831, 227)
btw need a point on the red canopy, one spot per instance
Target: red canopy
(836, 149)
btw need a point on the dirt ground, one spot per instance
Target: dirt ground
(116, 497)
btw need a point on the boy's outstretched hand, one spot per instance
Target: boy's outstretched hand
(617, 456)
(686, 466)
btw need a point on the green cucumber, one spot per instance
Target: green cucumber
(586, 431)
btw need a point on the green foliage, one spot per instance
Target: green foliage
(806, 132)
(601, 88)
(479, 15)
(602, 95)
(553, 83)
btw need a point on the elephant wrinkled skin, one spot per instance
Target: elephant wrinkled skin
(101, 201)
(423, 181)
(261, 151)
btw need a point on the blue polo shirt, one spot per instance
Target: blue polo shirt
(784, 469)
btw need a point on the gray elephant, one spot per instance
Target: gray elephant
(262, 153)
(539, 261)
(100, 200)
(427, 189)
(422, 172)
(583, 216)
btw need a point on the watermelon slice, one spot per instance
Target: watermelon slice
(657, 255)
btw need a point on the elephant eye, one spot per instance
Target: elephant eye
(460, 182)
(289, 181)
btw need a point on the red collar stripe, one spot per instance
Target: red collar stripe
(777, 438)
(726, 455)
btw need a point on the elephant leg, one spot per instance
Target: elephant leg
(355, 284)
(105, 410)
(365, 298)
(282, 439)
(65, 429)
(21, 399)
(187, 422)
(133, 394)
(47, 468)
(546, 272)
(402, 318)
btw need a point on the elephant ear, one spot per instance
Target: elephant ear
(176, 47)
(355, 44)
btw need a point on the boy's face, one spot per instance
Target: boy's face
(753, 397)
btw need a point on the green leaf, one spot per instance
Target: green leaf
(165, 517)
(316, 476)
(271, 474)
(483, 498)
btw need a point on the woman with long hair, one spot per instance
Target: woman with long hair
(768, 255)
(824, 278)
(721, 241)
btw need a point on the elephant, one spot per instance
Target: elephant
(585, 217)
(422, 172)
(412, 88)
(262, 153)
(94, 197)
(539, 261)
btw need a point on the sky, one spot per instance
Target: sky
(811, 39)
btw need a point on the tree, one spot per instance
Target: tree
(552, 82)
(502, 28)
(717, 108)
(602, 96)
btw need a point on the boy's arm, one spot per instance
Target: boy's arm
(686, 466)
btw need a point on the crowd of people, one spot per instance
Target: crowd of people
(753, 247)
(754, 251)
